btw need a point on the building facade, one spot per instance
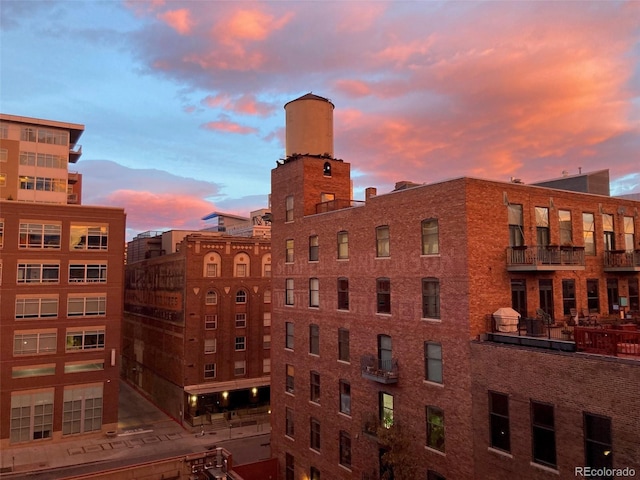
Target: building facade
(196, 336)
(383, 332)
(61, 271)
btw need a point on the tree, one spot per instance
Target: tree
(398, 460)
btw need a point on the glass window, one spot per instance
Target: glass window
(314, 434)
(433, 362)
(430, 237)
(289, 329)
(435, 428)
(542, 226)
(36, 307)
(211, 298)
(345, 397)
(38, 273)
(210, 322)
(31, 416)
(499, 421)
(382, 241)
(433, 475)
(82, 409)
(289, 209)
(343, 345)
(383, 288)
(241, 270)
(38, 235)
(288, 300)
(34, 343)
(241, 320)
(289, 468)
(239, 368)
(85, 237)
(385, 401)
(266, 342)
(289, 251)
(266, 365)
(543, 436)
(566, 235)
(634, 294)
(315, 387)
(629, 234)
(568, 295)
(345, 449)
(210, 370)
(266, 296)
(314, 292)
(598, 448)
(289, 381)
(87, 273)
(86, 306)
(430, 298)
(209, 345)
(289, 425)
(516, 235)
(241, 296)
(314, 339)
(343, 245)
(84, 340)
(609, 235)
(613, 296)
(588, 230)
(314, 248)
(241, 343)
(314, 474)
(343, 293)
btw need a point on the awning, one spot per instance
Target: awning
(242, 384)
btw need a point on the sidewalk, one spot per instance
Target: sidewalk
(143, 431)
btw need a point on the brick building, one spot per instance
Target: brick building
(61, 271)
(196, 333)
(383, 323)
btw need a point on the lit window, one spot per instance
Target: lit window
(289, 209)
(289, 381)
(314, 248)
(289, 251)
(209, 345)
(598, 449)
(343, 245)
(382, 241)
(430, 244)
(435, 428)
(85, 237)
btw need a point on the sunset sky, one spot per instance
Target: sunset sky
(183, 100)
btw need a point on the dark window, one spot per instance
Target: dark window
(326, 170)
(568, 296)
(345, 397)
(314, 434)
(288, 300)
(609, 235)
(343, 293)
(382, 241)
(345, 449)
(593, 298)
(314, 339)
(314, 292)
(289, 430)
(433, 475)
(343, 345)
(634, 301)
(383, 289)
(612, 295)
(241, 296)
(289, 209)
(289, 331)
(385, 353)
(545, 288)
(430, 298)
(290, 378)
(314, 474)
(435, 428)
(430, 244)
(289, 469)
(499, 421)
(314, 248)
(597, 442)
(519, 296)
(433, 362)
(543, 434)
(314, 381)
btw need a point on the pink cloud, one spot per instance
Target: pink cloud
(180, 20)
(243, 104)
(225, 125)
(249, 25)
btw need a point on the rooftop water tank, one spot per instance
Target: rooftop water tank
(309, 126)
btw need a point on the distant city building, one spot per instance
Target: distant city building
(61, 270)
(197, 327)
(384, 335)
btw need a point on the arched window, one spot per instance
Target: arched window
(212, 265)
(241, 296)
(326, 170)
(241, 265)
(211, 298)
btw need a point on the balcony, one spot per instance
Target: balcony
(622, 261)
(72, 177)
(379, 370)
(614, 341)
(75, 152)
(547, 258)
(72, 198)
(337, 204)
(533, 332)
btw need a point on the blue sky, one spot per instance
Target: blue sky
(183, 101)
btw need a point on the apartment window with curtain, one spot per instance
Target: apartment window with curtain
(383, 292)
(430, 245)
(345, 397)
(314, 292)
(289, 209)
(588, 231)
(609, 235)
(430, 298)
(542, 226)
(343, 245)
(314, 248)
(566, 235)
(629, 234)
(289, 251)
(516, 225)
(382, 241)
